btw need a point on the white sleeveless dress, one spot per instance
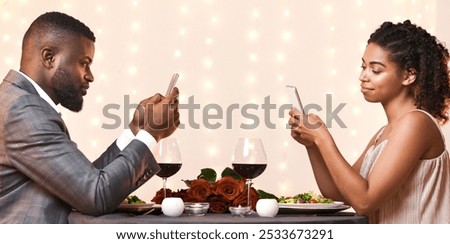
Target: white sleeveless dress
(424, 197)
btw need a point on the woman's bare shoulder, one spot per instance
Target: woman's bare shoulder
(419, 128)
(417, 119)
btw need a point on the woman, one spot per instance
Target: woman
(403, 175)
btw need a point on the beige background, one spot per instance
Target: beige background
(227, 52)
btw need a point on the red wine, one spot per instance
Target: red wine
(168, 170)
(249, 171)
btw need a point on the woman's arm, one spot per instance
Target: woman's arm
(324, 180)
(409, 139)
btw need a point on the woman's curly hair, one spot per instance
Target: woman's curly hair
(415, 50)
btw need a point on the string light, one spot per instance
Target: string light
(214, 19)
(132, 70)
(94, 143)
(177, 53)
(229, 57)
(252, 35)
(135, 26)
(212, 151)
(207, 62)
(287, 36)
(208, 85)
(255, 14)
(281, 57)
(95, 121)
(99, 99)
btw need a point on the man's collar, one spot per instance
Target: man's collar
(41, 92)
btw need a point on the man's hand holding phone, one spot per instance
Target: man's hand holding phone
(158, 115)
(172, 84)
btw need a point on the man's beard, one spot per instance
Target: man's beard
(67, 94)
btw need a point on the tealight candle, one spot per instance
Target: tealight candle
(172, 206)
(196, 208)
(240, 211)
(267, 207)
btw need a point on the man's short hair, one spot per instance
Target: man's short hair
(58, 23)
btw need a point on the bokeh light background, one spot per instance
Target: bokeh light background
(227, 52)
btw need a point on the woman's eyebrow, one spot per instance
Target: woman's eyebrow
(374, 62)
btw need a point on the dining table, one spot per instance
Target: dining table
(343, 217)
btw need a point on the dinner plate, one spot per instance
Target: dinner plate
(135, 208)
(317, 209)
(335, 204)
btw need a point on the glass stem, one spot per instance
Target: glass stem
(249, 181)
(164, 186)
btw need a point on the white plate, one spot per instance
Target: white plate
(318, 210)
(335, 204)
(135, 208)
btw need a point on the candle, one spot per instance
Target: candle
(267, 207)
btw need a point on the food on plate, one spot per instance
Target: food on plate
(308, 197)
(133, 199)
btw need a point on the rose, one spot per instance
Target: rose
(160, 195)
(241, 200)
(180, 193)
(217, 204)
(228, 191)
(229, 188)
(199, 190)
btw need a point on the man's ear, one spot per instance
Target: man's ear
(48, 57)
(410, 76)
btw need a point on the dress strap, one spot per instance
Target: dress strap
(435, 122)
(379, 135)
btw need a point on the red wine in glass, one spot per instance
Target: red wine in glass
(249, 171)
(249, 160)
(167, 154)
(168, 169)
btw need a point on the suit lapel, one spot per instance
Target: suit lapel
(19, 80)
(65, 127)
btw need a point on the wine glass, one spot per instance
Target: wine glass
(167, 154)
(249, 160)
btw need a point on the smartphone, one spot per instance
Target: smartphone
(172, 84)
(295, 98)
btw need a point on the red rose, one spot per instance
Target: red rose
(241, 200)
(160, 195)
(217, 204)
(229, 188)
(199, 189)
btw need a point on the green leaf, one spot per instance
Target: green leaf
(187, 182)
(208, 174)
(230, 172)
(263, 194)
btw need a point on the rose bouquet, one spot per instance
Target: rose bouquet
(229, 190)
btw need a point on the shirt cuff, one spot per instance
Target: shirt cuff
(147, 139)
(127, 136)
(124, 139)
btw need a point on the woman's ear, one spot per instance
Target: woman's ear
(410, 76)
(48, 57)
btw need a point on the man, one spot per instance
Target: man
(43, 176)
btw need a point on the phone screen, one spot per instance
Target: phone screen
(172, 84)
(295, 98)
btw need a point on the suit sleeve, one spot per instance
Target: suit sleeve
(107, 156)
(38, 146)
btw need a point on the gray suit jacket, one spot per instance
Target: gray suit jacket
(42, 173)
